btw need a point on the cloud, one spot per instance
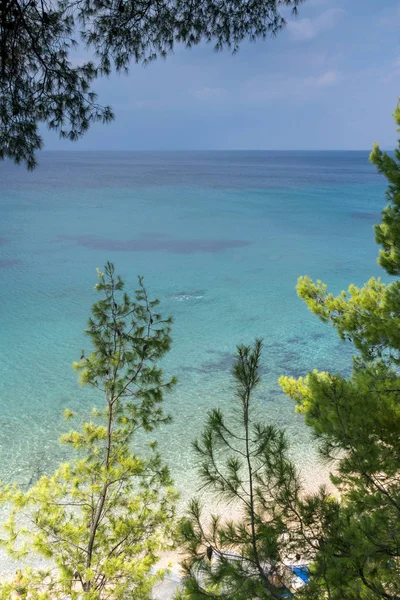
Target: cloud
(392, 75)
(209, 93)
(141, 105)
(328, 78)
(386, 73)
(317, 3)
(289, 87)
(309, 28)
(389, 17)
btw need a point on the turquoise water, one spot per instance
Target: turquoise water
(220, 239)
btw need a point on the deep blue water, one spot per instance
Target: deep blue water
(220, 238)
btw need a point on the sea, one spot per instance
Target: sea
(220, 239)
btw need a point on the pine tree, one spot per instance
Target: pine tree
(102, 518)
(244, 464)
(357, 419)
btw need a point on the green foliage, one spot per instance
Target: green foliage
(387, 233)
(357, 419)
(245, 465)
(40, 84)
(102, 518)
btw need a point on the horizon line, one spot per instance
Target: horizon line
(227, 150)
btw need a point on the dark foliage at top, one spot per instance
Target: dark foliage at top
(40, 83)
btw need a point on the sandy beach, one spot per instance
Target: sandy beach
(312, 480)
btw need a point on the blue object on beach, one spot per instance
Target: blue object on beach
(302, 572)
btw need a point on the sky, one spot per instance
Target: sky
(329, 81)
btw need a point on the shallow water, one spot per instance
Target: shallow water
(220, 237)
